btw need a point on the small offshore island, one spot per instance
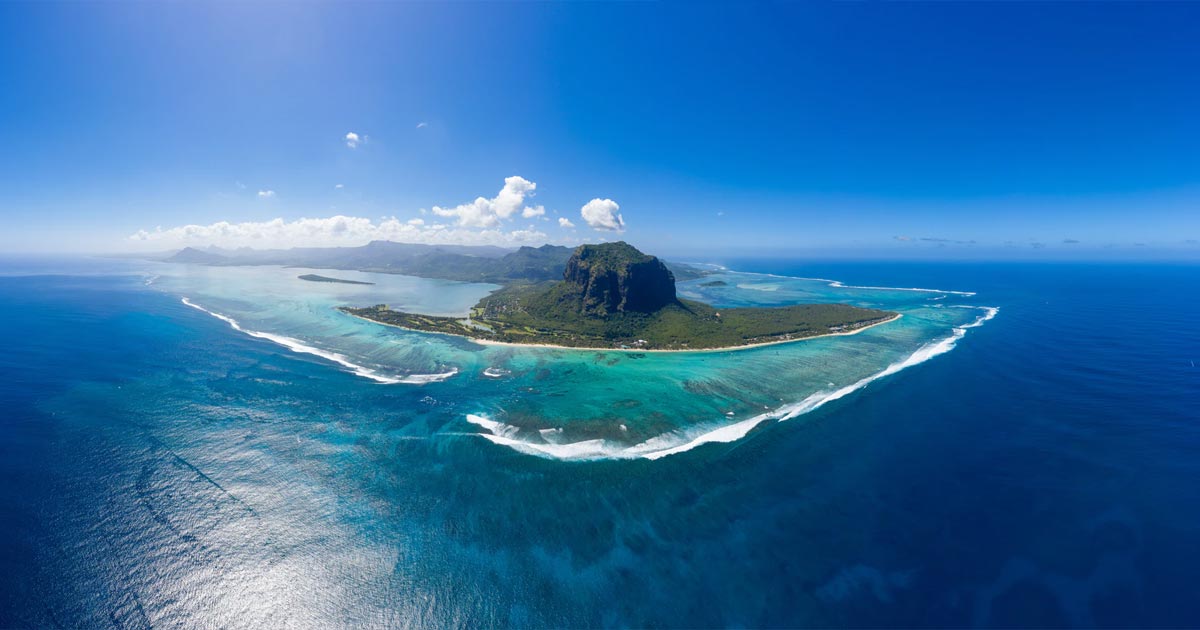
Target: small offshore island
(312, 277)
(613, 296)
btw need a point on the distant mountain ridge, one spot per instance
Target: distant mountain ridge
(196, 256)
(466, 263)
(446, 262)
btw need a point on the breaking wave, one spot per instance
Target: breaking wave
(295, 345)
(837, 284)
(674, 443)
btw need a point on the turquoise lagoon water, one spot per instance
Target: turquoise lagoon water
(573, 404)
(160, 468)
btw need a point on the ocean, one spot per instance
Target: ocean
(220, 447)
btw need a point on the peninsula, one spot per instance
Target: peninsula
(312, 277)
(613, 296)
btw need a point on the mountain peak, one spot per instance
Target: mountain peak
(193, 255)
(616, 277)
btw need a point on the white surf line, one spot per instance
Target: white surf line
(787, 412)
(989, 313)
(837, 284)
(664, 445)
(297, 346)
(502, 434)
(704, 264)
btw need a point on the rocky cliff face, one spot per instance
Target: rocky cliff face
(616, 277)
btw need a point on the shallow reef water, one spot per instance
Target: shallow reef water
(1033, 465)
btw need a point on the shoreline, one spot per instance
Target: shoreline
(489, 342)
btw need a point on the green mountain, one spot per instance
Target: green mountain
(615, 278)
(527, 264)
(612, 295)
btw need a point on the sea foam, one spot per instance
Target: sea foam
(674, 443)
(295, 345)
(837, 284)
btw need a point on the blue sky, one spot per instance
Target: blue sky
(855, 129)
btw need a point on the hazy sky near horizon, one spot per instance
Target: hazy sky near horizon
(931, 129)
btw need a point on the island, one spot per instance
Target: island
(312, 277)
(613, 296)
(714, 283)
(463, 263)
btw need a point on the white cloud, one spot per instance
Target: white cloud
(487, 213)
(601, 214)
(327, 232)
(481, 222)
(422, 125)
(353, 140)
(339, 186)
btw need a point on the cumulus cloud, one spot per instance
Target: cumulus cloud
(601, 214)
(422, 125)
(337, 230)
(481, 222)
(353, 140)
(487, 213)
(339, 186)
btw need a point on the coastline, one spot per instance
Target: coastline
(489, 342)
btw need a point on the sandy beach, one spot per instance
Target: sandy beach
(489, 342)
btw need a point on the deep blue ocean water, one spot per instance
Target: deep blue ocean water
(157, 468)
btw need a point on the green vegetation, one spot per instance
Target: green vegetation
(506, 317)
(714, 283)
(609, 278)
(445, 262)
(527, 264)
(312, 277)
(614, 296)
